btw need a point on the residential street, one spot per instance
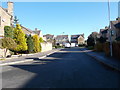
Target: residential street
(68, 68)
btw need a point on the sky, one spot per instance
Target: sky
(68, 17)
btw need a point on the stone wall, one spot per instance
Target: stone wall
(46, 46)
(2, 54)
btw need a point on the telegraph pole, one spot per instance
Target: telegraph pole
(111, 54)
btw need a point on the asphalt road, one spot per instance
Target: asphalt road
(68, 68)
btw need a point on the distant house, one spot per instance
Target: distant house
(62, 39)
(77, 39)
(49, 37)
(104, 33)
(6, 17)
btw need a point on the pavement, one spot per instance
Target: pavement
(110, 62)
(67, 68)
(24, 57)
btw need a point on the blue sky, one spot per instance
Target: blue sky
(69, 17)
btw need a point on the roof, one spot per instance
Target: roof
(37, 31)
(117, 25)
(29, 30)
(48, 36)
(62, 37)
(114, 22)
(76, 36)
(6, 10)
(105, 31)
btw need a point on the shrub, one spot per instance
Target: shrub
(30, 44)
(8, 31)
(90, 47)
(116, 49)
(20, 39)
(98, 47)
(36, 43)
(106, 48)
(8, 43)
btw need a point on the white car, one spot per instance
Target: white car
(72, 44)
(67, 45)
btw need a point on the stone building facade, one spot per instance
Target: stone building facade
(6, 17)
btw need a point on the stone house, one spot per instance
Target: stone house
(81, 40)
(49, 37)
(62, 39)
(77, 39)
(6, 17)
(27, 31)
(115, 31)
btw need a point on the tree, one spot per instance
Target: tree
(20, 39)
(30, 43)
(8, 31)
(8, 43)
(102, 40)
(41, 40)
(36, 43)
(90, 41)
(16, 21)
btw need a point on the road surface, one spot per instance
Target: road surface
(68, 68)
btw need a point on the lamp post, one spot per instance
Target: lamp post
(111, 54)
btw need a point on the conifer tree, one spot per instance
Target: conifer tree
(20, 39)
(8, 31)
(30, 43)
(36, 43)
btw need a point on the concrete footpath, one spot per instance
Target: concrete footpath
(24, 57)
(100, 57)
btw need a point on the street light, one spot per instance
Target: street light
(110, 29)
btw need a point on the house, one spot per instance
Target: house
(27, 31)
(49, 37)
(81, 40)
(114, 30)
(6, 17)
(117, 26)
(104, 33)
(77, 39)
(38, 32)
(62, 39)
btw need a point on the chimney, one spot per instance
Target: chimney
(10, 8)
(36, 29)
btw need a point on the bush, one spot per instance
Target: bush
(98, 47)
(90, 47)
(8, 31)
(19, 38)
(36, 43)
(106, 48)
(30, 44)
(116, 49)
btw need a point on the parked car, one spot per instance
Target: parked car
(67, 45)
(72, 44)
